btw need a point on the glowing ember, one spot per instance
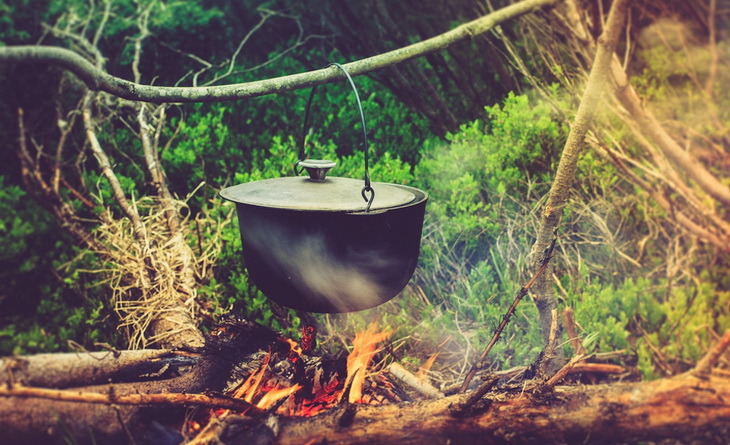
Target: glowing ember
(363, 349)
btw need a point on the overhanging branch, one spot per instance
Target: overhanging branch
(97, 79)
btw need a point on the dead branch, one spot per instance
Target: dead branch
(97, 79)
(165, 399)
(547, 255)
(106, 168)
(705, 365)
(414, 382)
(565, 174)
(44, 192)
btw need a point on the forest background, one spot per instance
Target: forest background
(479, 126)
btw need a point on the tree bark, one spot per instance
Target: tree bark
(97, 79)
(73, 369)
(683, 408)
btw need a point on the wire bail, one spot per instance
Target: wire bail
(302, 153)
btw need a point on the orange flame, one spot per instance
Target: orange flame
(276, 394)
(252, 386)
(363, 349)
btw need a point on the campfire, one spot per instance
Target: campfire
(293, 381)
(251, 385)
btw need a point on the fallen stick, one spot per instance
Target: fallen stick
(703, 369)
(405, 376)
(174, 399)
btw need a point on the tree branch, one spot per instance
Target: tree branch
(107, 170)
(645, 120)
(97, 79)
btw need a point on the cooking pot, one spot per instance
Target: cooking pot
(329, 244)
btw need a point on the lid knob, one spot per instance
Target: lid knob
(317, 168)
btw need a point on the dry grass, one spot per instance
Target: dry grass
(154, 275)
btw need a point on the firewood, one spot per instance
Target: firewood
(73, 369)
(231, 348)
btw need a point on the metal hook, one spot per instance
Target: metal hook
(365, 190)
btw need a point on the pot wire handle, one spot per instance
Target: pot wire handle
(302, 153)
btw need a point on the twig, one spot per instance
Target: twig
(414, 382)
(565, 370)
(175, 399)
(573, 337)
(547, 255)
(703, 369)
(475, 396)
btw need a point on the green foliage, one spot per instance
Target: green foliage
(38, 310)
(481, 181)
(201, 150)
(488, 162)
(664, 325)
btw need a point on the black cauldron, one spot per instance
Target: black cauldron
(323, 244)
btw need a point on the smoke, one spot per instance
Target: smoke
(681, 65)
(346, 280)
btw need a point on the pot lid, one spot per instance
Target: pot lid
(331, 194)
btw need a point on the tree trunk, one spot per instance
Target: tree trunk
(565, 175)
(682, 407)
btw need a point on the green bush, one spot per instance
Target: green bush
(44, 303)
(483, 182)
(664, 326)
